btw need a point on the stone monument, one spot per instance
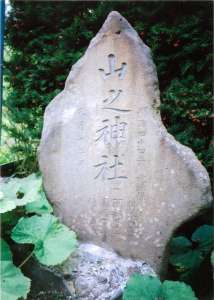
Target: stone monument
(110, 168)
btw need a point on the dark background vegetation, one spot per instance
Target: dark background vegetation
(46, 38)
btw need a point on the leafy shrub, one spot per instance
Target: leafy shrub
(150, 288)
(53, 242)
(44, 40)
(6, 156)
(188, 255)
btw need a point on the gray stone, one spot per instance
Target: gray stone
(110, 168)
(97, 273)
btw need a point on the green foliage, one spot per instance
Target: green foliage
(13, 283)
(175, 290)
(6, 156)
(45, 40)
(187, 256)
(53, 242)
(142, 288)
(6, 205)
(19, 192)
(150, 288)
(191, 116)
(204, 236)
(39, 207)
(6, 254)
(46, 233)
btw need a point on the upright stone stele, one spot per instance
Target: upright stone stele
(110, 168)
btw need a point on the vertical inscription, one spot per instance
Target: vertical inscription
(112, 132)
(110, 167)
(135, 208)
(141, 151)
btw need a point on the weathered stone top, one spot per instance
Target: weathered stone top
(118, 27)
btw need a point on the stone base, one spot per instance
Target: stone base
(96, 273)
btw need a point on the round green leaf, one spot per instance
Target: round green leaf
(13, 283)
(189, 260)
(142, 288)
(175, 290)
(53, 241)
(204, 236)
(41, 206)
(30, 186)
(6, 254)
(6, 205)
(11, 189)
(19, 191)
(180, 245)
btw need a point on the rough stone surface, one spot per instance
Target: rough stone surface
(110, 168)
(97, 273)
